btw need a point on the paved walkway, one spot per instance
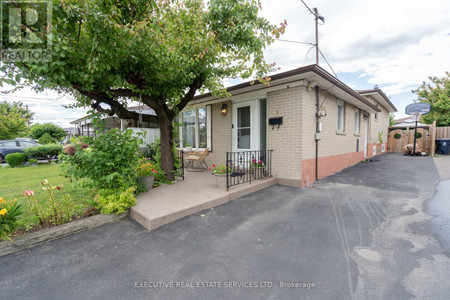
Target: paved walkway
(443, 166)
(197, 192)
(362, 233)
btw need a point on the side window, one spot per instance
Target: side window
(9, 144)
(376, 114)
(340, 115)
(27, 144)
(357, 118)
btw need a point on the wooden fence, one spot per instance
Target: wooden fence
(442, 132)
(407, 137)
(427, 142)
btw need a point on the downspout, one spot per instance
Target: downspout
(317, 136)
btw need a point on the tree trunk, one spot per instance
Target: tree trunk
(167, 157)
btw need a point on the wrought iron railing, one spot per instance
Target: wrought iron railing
(248, 166)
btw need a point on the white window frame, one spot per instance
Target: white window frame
(340, 119)
(376, 114)
(196, 127)
(357, 120)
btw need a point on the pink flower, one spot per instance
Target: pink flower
(29, 193)
(156, 171)
(259, 162)
(254, 161)
(58, 188)
(214, 166)
(210, 168)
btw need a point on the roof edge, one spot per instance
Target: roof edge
(309, 68)
(382, 94)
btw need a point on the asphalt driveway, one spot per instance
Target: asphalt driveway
(362, 233)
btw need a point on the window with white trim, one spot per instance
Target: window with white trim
(357, 120)
(376, 114)
(195, 128)
(340, 115)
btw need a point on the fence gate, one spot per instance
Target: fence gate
(407, 137)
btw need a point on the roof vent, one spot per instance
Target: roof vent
(375, 87)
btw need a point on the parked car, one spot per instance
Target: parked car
(14, 146)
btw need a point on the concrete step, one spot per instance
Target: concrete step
(169, 203)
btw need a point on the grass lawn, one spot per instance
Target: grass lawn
(14, 181)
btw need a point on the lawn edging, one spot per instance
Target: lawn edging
(46, 235)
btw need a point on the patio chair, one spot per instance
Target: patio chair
(198, 156)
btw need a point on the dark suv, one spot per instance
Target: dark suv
(13, 146)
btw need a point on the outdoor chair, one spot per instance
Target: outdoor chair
(198, 156)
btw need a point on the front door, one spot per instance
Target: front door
(366, 135)
(243, 126)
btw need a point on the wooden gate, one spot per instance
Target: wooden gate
(407, 137)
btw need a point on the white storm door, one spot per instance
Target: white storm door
(244, 126)
(366, 135)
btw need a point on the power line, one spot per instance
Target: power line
(310, 10)
(295, 42)
(328, 63)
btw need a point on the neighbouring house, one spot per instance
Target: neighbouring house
(282, 117)
(85, 127)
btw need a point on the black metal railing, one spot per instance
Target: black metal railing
(247, 166)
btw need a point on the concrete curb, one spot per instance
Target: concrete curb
(46, 235)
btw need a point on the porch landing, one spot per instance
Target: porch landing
(197, 192)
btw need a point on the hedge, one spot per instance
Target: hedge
(16, 159)
(48, 151)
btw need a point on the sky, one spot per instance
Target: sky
(393, 44)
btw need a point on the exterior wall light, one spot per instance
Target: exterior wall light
(224, 110)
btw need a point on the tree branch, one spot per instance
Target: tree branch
(190, 94)
(116, 108)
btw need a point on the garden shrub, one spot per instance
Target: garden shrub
(9, 213)
(110, 161)
(160, 176)
(46, 139)
(111, 201)
(16, 159)
(55, 131)
(48, 151)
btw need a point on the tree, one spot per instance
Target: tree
(107, 53)
(391, 119)
(437, 94)
(14, 120)
(55, 131)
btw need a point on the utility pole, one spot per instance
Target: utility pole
(316, 19)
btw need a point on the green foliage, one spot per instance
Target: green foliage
(146, 168)
(14, 119)
(51, 212)
(9, 214)
(111, 201)
(14, 181)
(221, 169)
(391, 119)
(16, 159)
(37, 131)
(46, 139)
(160, 175)
(437, 94)
(380, 137)
(49, 151)
(161, 52)
(109, 162)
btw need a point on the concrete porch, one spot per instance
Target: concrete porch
(197, 192)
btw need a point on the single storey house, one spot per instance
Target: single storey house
(84, 126)
(313, 123)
